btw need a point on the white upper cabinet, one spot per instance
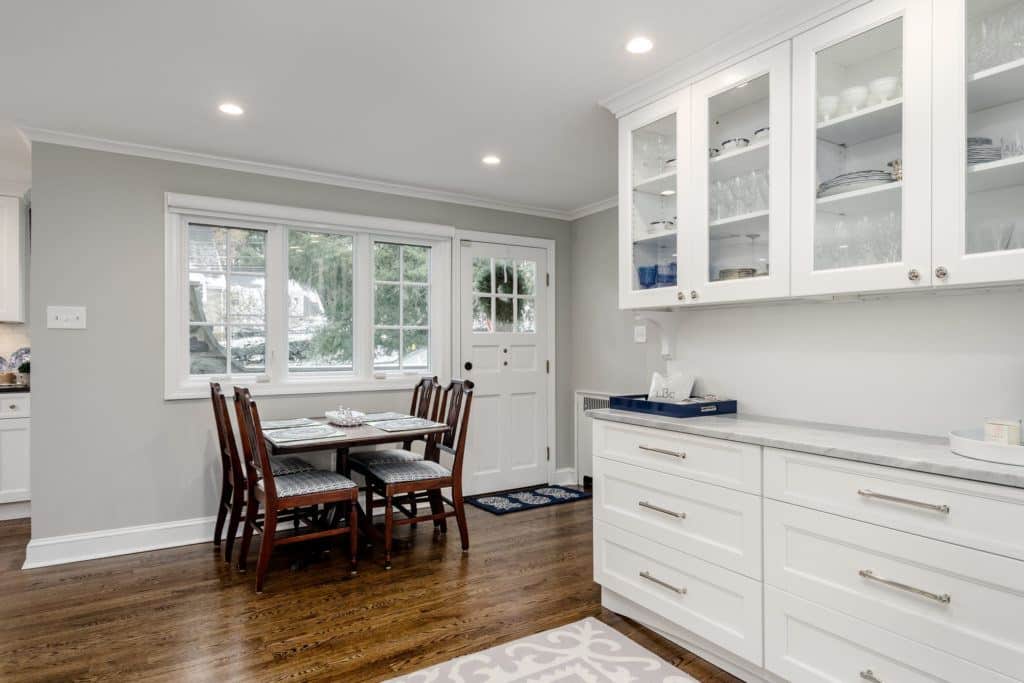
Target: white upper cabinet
(653, 152)
(13, 260)
(861, 179)
(737, 213)
(979, 142)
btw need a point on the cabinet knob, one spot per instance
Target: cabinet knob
(693, 293)
(681, 296)
(941, 272)
(914, 275)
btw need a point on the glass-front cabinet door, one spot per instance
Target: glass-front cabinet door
(738, 210)
(979, 141)
(653, 148)
(862, 151)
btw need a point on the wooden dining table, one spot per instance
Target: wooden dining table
(352, 437)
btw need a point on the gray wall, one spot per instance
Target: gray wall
(925, 363)
(605, 358)
(107, 450)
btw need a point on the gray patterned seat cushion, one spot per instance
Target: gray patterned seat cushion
(361, 460)
(287, 464)
(401, 472)
(313, 481)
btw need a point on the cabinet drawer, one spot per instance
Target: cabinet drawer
(716, 461)
(961, 601)
(807, 642)
(973, 514)
(14, 405)
(717, 604)
(713, 523)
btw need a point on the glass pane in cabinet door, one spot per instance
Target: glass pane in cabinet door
(995, 126)
(860, 150)
(654, 204)
(738, 181)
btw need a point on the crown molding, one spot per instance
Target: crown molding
(292, 173)
(757, 36)
(595, 207)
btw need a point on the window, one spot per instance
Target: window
(504, 298)
(301, 301)
(401, 306)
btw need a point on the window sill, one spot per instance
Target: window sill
(201, 389)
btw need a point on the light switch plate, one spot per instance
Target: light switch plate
(640, 334)
(65, 317)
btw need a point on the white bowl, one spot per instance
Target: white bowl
(884, 88)
(828, 105)
(854, 97)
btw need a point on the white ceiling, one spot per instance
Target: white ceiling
(393, 90)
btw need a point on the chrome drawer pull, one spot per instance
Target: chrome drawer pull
(652, 449)
(868, 493)
(944, 598)
(869, 675)
(670, 513)
(647, 575)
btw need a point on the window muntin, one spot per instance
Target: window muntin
(226, 300)
(504, 298)
(320, 302)
(401, 306)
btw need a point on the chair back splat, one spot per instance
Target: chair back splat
(426, 396)
(257, 460)
(455, 409)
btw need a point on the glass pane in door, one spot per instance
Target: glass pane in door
(995, 126)
(859, 150)
(738, 181)
(654, 204)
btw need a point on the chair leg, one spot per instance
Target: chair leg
(252, 508)
(412, 507)
(437, 508)
(222, 510)
(389, 520)
(237, 502)
(353, 534)
(460, 517)
(266, 546)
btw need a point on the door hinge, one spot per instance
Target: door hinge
(549, 452)
(547, 366)
(548, 278)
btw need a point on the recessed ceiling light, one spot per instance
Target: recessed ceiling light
(667, 193)
(639, 45)
(231, 109)
(491, 160)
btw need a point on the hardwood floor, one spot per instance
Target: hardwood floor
(183, 614)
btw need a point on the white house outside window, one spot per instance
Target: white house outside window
(301, 301)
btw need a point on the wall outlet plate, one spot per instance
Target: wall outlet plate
(640, 334)
(65, 317)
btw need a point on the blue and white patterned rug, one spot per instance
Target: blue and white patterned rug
(528, 499)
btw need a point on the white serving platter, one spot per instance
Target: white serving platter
(971, 443)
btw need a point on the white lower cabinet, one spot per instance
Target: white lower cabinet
(807, 642)
(14, 463)
(870, 574)
(714, 603)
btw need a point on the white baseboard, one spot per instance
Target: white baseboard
(15, 510)
(566, 476)
(44, 552)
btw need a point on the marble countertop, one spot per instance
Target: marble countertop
(893, 449)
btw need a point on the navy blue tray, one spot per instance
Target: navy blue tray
(638, 403)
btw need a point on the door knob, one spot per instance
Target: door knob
(914, 275)
(468, 365)
(941, 272)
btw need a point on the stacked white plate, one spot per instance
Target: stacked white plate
(981, 150)
(856, 180)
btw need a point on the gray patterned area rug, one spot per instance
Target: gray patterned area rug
(587, 651)
(527, 499)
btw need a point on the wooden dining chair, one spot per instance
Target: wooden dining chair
(428, 476)
(233, 487)
(289, 493)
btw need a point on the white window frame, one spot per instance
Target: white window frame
(276, 220)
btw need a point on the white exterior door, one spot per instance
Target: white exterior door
(504, 326)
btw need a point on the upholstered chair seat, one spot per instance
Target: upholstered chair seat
(311, 481)
(361, 461)
(400, 472)
(281, 465)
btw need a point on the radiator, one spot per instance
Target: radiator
(583, 426)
